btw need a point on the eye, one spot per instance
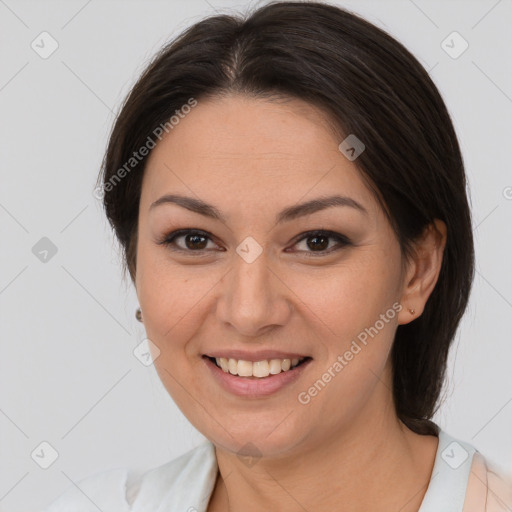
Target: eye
(320, 242)
(196, 241)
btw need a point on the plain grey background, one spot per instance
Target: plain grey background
(68, 375)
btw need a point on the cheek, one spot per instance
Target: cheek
(355, 309)
(171, 303)
(358, 323)
(347, 297)
(169, 297)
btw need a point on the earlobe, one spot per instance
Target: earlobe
(423, 271)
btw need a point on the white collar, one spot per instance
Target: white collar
(187, 482)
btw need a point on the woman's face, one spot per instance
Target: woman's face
(251, 285)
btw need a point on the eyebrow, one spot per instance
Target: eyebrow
(288, 214)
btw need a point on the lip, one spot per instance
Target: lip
(255, 387)
(259, 355)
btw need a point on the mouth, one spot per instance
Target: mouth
(257, 369)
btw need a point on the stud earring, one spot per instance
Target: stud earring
(138, 314)
(411, 311)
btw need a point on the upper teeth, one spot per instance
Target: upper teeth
(258, 368)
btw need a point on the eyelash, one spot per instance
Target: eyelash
(169, 240)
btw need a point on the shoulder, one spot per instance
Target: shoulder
(463, 479)
(489, 487)
(118, 490)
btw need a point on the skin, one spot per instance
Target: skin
(251, 158)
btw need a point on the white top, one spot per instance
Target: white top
(185, 484)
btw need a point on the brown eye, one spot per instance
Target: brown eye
(318, 242)
(193, 241)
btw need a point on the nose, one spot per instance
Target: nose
(253, 298)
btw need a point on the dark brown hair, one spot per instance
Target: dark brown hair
(370, 86)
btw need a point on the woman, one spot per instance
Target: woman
(290, 197)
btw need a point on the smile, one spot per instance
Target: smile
(258, 369)
(258, 378)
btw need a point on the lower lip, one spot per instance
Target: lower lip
(256, 386)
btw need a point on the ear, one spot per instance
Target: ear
(422, 271)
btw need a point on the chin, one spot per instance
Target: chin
(270, 438)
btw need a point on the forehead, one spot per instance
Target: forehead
(254, 152)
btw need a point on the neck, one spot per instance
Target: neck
(377, 463)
